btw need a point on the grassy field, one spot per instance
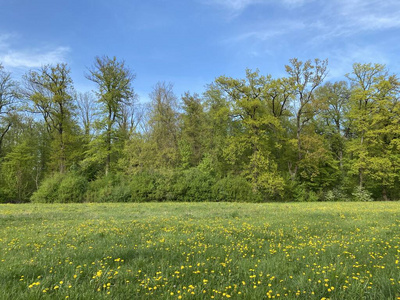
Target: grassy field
(200, 251)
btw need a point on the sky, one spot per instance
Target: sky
(191, 42)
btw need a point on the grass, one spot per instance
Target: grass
(200, 251)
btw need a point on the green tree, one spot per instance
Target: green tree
(86, 111)
(374, 113)
(218, 127)
(114, 91)
(248, 145)
(163, 126)
(8, 97)
(26, 154)
(333, 99)
(50, 89)
(193, 132)
(305, 78)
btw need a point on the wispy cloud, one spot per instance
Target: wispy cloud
(4, 38)
(235, 7)
(268, 31)
(34, 57)
(333, 19)
(369, 14)
(341, 60)
(29, 57)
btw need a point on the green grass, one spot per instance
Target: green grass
(200, 251)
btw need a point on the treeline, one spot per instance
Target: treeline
(295, 138)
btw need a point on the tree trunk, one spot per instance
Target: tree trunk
(384, 194)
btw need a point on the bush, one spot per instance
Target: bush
(48, 190)
(4, 196)
(234, 189)
(361, 194)
(61, 188)
(299, 192)
(192, 185)
(110, 188)
(151, 186)
(71, 189)
(335, 195)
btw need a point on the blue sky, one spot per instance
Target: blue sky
(191, 42)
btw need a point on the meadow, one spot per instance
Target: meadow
(200, 251)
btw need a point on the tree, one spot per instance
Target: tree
(305, 77)
(218, 127)
(163, 123)
(248, 143)
(24, 160)
(8, 96)
(50, 89)
(333, 99)
(86, 105)
(114, 91)
(193, 132)
(374, 112)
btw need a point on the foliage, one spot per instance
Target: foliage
(192, 185)
(48, 191)
(148, 186)
(109, 188)
(72, 188)
(335, 195)
(50, 91)
(361, 194)
(293, 138)
(61, 188)
(234, 189)
(115, 93)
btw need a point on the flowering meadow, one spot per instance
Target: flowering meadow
(200, 251)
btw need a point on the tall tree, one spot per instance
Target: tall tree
(114, 91)
(50, 89)
(374, 111)
(163, 122)
(248, 146)
(86, 105)
(305, 77)
(193, 130)
(8, 96)
(333, 99)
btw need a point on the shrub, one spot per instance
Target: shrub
(48, 190)
(192, 185)
(361, 194)
(72, 188)
(234, 189)
(4, 196)
(334, 195)
(150, 186)
(110, 188)
(299, 192)
(61, 188)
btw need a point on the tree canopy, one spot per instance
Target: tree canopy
(257, 138)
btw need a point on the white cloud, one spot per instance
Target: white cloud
(331, 20)
(351, 17)
(235, 7)
(33, 58)
(29, 57)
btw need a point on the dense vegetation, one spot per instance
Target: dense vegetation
(258, 138)
(200, 251)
